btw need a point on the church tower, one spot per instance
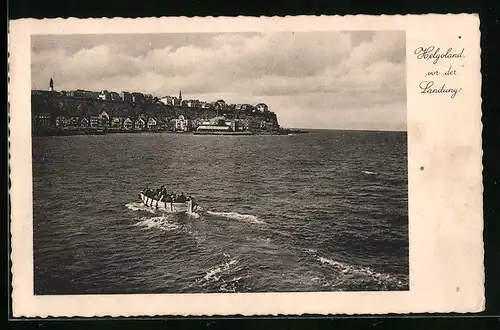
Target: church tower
(51, 85)
(180, 96)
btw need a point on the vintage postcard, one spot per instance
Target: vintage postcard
(246, 166)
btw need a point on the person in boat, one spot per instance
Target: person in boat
(193, 202)
(182, 198)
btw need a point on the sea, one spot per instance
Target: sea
(322, 211)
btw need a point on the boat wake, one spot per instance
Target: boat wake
(237, 216)
(161, 223)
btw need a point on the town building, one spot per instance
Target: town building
(220, 105)
(116, 122)
(41, 120)
(103, 119)
(74, 121)
(104, 95)
(205, 105)
(84, 122)
(126, 96)
(152, 123)
(262, 107)
(83, 94)
(62, 121)
(180, 124)
(115, 96)
(95, 121)
(140, 123)
(137, 97)
(242, 107)
(193, 103)
(128, 124)
(168, 100)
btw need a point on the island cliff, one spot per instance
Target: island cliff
(53, 113)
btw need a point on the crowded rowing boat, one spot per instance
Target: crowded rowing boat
(168, 202)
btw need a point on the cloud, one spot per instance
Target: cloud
(310, 79)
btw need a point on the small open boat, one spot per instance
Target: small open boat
(187, 207)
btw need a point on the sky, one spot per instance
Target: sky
(331, 79)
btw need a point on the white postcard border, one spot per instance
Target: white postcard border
(444, 171)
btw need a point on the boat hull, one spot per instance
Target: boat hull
(168, 207)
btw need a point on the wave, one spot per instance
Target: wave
(214, 274)
(161, 223)
(231, 285)
(135, 206)
(194, 215)
(313, 251)
(237, 216)
(369, 173)
(359, 270)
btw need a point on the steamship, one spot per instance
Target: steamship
(220, 126)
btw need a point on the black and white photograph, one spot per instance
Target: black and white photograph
(219, 162)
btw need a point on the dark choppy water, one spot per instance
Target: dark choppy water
(323, 211)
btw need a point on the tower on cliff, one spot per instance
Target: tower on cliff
(51, 85)
(180, 96)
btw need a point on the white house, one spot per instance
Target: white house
(139, 123)
(152, 123)
(128, 123)
(62, 121)
(94, 121)
(103, 118)
(104, 95)
(116, 122)
(84, 122)
(181, 124)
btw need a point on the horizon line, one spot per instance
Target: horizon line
(347, 129)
